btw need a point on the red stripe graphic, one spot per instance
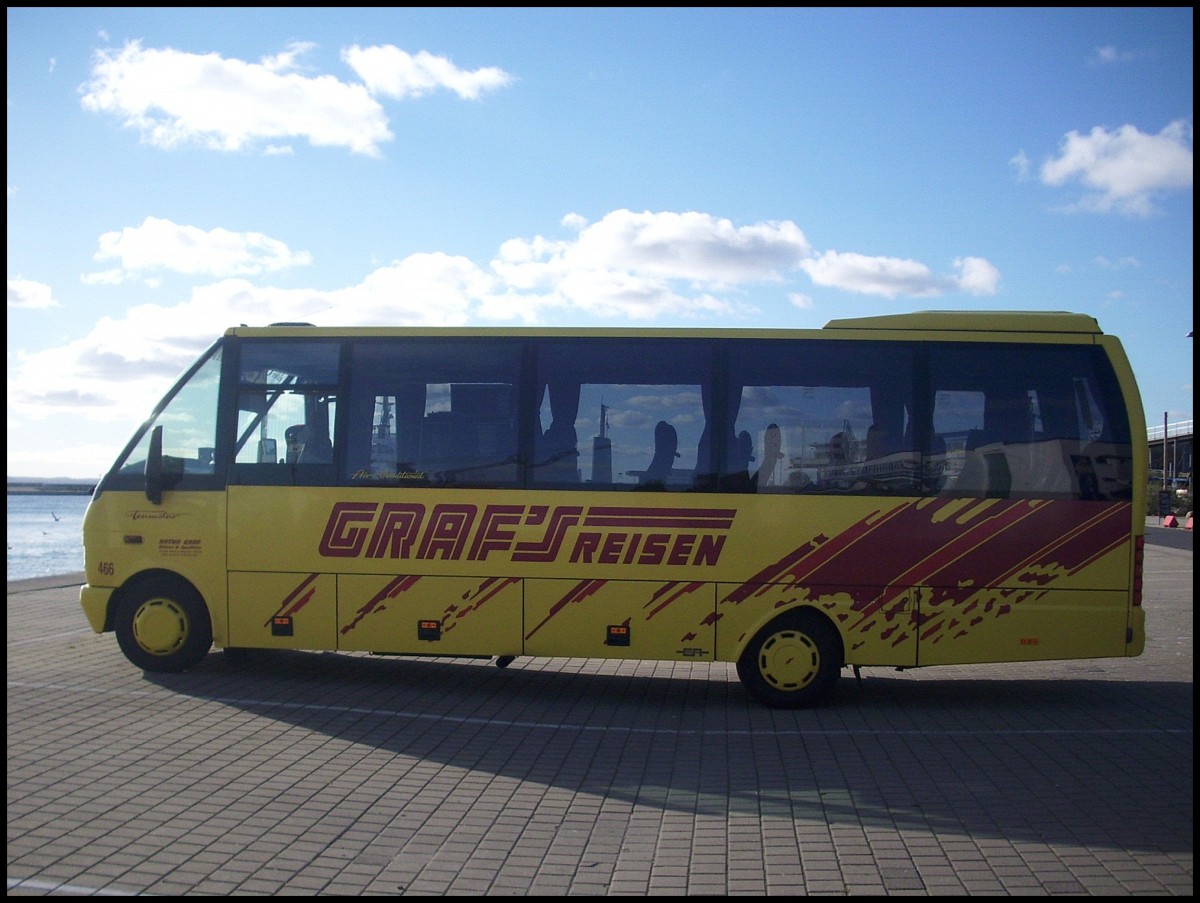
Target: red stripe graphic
(667, 594)
(581, 591)
(475, 599)
(957, 547)
(393, 589)
(682, 518)
(296, 599)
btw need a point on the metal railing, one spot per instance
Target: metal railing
(1178, 428)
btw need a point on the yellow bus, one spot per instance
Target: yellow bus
(918, 489)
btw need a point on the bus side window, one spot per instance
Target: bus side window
(768, 473)
(598, 402)
(475, 440)
(385, 430)
(556, 447)
(827, 417)
(294, 438)
(1022, 421)
(317, 450)
(318, 422)
(433, 412)
(286, 401)
(666, 444)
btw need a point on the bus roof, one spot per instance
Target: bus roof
(925, 322)
(976, 321)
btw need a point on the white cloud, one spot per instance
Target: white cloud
(692, 246)
(643, 265)
(892, 276)
(175, 98)
(113, 374)
(289, 59)
(1123, 169)
(159, 244)
(104, 277)
(627, 266)
(389, 71)
(1121, 263)
(29, 294)
(126, 364)
(1108, 55)
(1021, 163)
(420, 290)
(976, 276)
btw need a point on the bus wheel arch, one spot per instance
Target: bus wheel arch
(794, 661)
(162, 623)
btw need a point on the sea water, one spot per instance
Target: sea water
(45, 535)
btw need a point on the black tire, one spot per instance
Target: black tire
(163, 625)
(792, 663)
(504, 661)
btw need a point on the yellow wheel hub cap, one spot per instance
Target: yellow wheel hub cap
(789, 660)
(160, 627)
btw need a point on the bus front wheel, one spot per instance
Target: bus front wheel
(792, 663)
(163, 625)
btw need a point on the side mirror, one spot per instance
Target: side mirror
(162, 471)
(154, 467)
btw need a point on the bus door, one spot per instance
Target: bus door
(280, 593)
(422, 530)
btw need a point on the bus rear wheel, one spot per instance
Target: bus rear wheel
(163, 626)
(792, 663)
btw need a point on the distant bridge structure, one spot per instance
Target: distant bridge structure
(1172, 443)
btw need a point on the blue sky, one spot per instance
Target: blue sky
(175, 172)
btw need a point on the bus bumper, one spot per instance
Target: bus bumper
(94, 600)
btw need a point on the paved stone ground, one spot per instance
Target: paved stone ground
(305, 773)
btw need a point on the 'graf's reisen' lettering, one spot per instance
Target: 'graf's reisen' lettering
(527, 533)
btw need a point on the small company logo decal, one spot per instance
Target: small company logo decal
(152, 515)
(187, 548)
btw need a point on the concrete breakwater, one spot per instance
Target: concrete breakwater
(49, 487)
